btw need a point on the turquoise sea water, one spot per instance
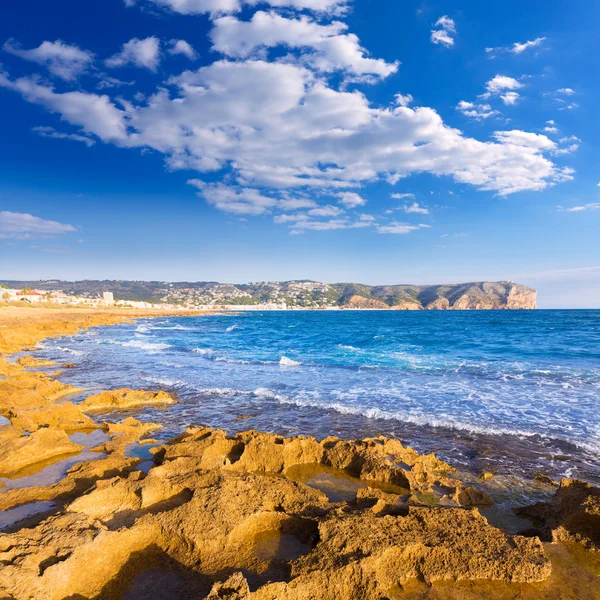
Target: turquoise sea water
(514, 392)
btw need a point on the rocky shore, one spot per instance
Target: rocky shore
(252, 516)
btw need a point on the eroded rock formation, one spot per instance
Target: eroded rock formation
(216, 505)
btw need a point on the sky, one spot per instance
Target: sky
(248, 140)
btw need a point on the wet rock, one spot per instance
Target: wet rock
(202, 513)
(19, 451)
(546, 480)
(470, 496)
(124, 399)
(376, 459)
(130, 428)
(30, 361)
(572, 515)
(67, 417)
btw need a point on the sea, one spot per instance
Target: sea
(508, 392)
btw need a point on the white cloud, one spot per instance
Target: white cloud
(500, 83)
(402, 196)
(273, 131)
(332, 48)
(240, 201)
(404, 99)
(141, 53)
(63, 60)
(443, 32)
(475, 110)
(107, 82)
(93, 113)
(351, 199)
(570, 144)
(400, 228)
(322, 225)
(278, 126)
(25, 226)
(518, 48)
(296, 203)
(325, 211)
(510, 98)
(215, 7)
(566, 91)
(182, 47)
(289, 218)
(584, 207)
(50, 132)
(415, 208)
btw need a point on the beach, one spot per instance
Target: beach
(97, 502)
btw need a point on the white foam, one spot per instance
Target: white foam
(162, 381)
(67, 350)
(232, 328)
(234, 361)
(204, 351)
(220, 391)
(444, 421)
(288, 362)
(148, 346)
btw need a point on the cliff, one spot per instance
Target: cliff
(468, 296)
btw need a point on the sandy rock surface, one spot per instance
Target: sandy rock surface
(126, 399)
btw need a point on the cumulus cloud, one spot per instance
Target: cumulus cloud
(402, 196)
(415, 208)
(141, 53)
(331, 47)
(351, 199)
(63, 60)
(500, 83)
(215, 7)
(404, 99)
(325, 211)
(275, 134)
(237, 200)
(296, 203)
(476, 110)
(444, 31)
(566, 91)
(25, 226)
(510, 98)
(278, 126)
(182, 47)
(93, 113)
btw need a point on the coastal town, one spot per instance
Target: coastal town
(182, 301)
(269, 295)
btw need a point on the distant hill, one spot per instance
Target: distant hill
(306, 294)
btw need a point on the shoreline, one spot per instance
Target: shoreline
(283, 535)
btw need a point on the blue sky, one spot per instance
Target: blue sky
(238, 140)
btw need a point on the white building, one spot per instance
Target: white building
(108, 298)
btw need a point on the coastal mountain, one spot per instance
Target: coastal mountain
(304, 294)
